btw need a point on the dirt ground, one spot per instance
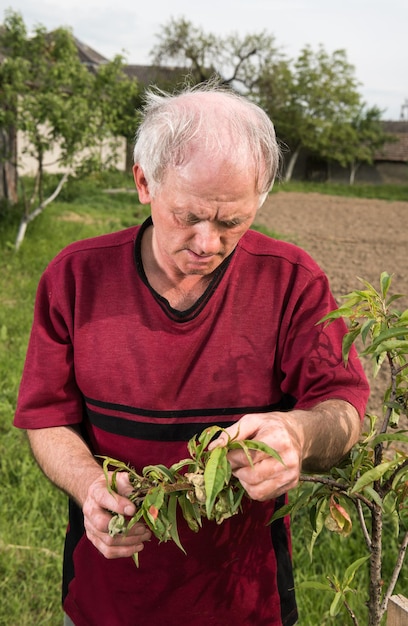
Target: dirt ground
(348, 237)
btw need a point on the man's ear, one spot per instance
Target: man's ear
(141, 185)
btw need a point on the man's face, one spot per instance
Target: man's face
(199, 213)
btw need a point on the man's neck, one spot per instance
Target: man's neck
(181, 291)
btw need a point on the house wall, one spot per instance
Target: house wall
(314, 169)
(110, 151)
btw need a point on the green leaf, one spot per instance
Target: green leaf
(390, 333)
(310, 584)
(389, 437)
(371, 493)
(158, 472)
(172, 517)
(319, 523)
(336, 604)
(385, 281)
(284, 510)
(336, 314)
(365, 329)
(233, 445)
(215, 474)
(372, 475)
(176, 467)
(391, 345)
(348, 340)
(191, 513)
(263, 447)
(351, 570)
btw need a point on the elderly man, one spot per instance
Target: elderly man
(143, 338)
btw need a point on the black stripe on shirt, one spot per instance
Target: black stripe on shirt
(148, 431)
(285, 404)
(286, 585)
(183, 431)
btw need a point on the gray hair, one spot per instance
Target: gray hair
(227, 124)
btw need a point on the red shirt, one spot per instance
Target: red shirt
(108, 353)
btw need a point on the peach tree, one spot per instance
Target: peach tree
(373, 479)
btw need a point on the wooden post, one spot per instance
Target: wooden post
(397, 613)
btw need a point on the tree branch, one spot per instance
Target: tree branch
(338, 486)
(363, 524)
(396, 572)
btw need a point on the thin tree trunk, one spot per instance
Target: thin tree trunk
(8, 164)
(353, 171)
(375, 585)
(292, 163)
(31, 216)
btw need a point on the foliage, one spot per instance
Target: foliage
(357, 140)
(234, 59)
(52, 97)
(313, 100)
(201, 486)
(374, 478)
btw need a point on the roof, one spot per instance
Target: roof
(155, 74)
(88, 56)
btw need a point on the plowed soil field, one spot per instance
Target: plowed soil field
(348, 237)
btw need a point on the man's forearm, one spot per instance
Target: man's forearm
(65, 459)
(329, 431)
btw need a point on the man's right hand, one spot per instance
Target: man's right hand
(97, 506)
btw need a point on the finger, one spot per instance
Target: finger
(268, 479)
(118, 547)
(269, 488)
(111, 501)
(123, 484)
(231, 432)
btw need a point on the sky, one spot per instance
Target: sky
(372, 32)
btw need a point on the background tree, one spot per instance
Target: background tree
(12, 81)
(357, 141)
(313, 100)
(57, 103)
(236, 60)
(319, 96)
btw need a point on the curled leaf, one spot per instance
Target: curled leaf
(338, 520)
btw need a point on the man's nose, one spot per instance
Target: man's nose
(207, 238)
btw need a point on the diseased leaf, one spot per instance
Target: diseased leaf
(158, 472)
(208, 434)
(338, 520)
(191, 513)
